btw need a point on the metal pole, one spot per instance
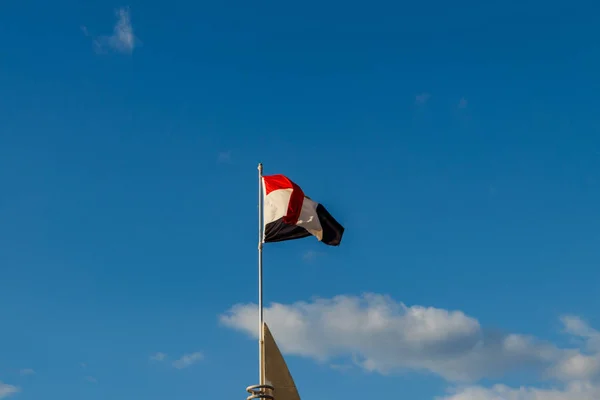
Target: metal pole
(262, 390)
(261, 332)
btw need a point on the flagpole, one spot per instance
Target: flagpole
(262, 390)
(261, 331)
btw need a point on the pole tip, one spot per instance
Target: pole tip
(260, 166)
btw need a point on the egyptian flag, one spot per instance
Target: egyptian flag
(288, 214)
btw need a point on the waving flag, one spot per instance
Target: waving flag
(288, 214)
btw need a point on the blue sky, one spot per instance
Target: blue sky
(458, 143)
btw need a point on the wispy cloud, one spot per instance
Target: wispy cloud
(91, 379)
(341, 367)
(422, 98)
(463, 103)
(310, 255)
(574, 325)
(27, 371)
(158, 356)
(7, 390)
(224, 157)
(122, 39)
(187, 360)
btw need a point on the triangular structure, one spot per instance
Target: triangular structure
(276, 370)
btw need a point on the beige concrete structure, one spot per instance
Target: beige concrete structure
(276, 370)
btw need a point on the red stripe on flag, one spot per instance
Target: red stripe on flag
(276, 182)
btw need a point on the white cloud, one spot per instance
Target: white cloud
(27, 371)
(7, 390)
(577, 366)
(386, 336)
(122, 39)
(573, 391)
(577, 327)
(188, 359)
(579, 372)
(462, 103)
(158, 356)
(91, 379)
(422, 98)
